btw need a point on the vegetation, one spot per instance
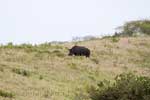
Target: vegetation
(21, 72)
(85, 38)
(6, 94)
(46, 72)
(134, 28)
(125, 87)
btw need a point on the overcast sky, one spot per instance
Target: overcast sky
(36, 21)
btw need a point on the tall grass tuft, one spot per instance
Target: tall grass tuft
(6, 94)
(21, 72)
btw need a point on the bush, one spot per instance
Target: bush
(9, 45)
(6, 94)
(41, 77)
(21, 72)
(1, 69)
(115, 39)
(126, 87)
(25, 46)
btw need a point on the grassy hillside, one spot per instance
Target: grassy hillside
(45, 72)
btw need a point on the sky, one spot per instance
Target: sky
(38, 21)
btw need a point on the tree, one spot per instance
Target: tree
(137, 27)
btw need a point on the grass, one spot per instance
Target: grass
(6, 94)
(21, 72)
(45, 71)
(126, 87)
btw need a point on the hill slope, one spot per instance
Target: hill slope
(45, 72)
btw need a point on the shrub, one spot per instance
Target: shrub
(126, 87)
(25, 46)
(44, 45)
(9, 45)
(41, 77)
(1, 69)
(115, 39)
(21, 72)
(6, 94)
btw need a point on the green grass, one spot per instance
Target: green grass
(21, 72)
(45, 71)
(6, 94)
(126, 87)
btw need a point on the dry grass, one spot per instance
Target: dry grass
(46, 72)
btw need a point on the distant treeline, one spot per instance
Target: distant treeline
(134, 28)
(84, 38)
